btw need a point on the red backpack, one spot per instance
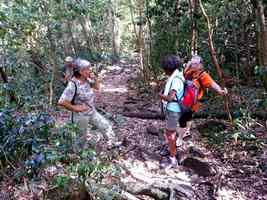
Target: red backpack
(190, 96)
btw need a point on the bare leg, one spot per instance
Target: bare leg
(171, 135)
(188, 127)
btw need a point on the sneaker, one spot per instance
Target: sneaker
(179, 142)
(113, 145)
(187, 134)
(164, 151)
(168, 163)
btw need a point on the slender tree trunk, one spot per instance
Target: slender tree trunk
(214, 57)
(85, 31)
(193, 7)
(142, 50)
(261, 37)
(149, 36)
(68, 50)
(12, 96)
(52, 59)
(85, 35)
(131, 7)
(115, 32)
(177, 11)
(3, 75)
(263, 32)
(93, 38)
(71, 36)
(258, 46)
(51, 52)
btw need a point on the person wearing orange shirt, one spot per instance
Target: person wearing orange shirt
(194, 70)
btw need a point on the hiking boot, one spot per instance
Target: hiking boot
(168, 163)
(164, 151)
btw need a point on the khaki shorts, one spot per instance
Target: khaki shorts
(172, 119)
(96, 120)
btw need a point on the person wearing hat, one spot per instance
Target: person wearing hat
(78, 97)
(68, 68)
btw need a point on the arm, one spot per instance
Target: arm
(66, 99)
(176, 89)
(218, 89)
(169, 97)
(207, 82)
(73, 108)
(96, 84)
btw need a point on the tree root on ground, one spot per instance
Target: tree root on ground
(159, 187)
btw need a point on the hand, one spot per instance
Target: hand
(224, 91)
(81, 108)
(161, 96)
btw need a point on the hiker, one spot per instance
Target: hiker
(78, 97)
(173, 89)
(194, 71)
(68, 69)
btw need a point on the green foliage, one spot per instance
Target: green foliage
(23, 135)
(164, 29)
(61, 182)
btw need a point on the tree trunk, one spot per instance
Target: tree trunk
(51, 53)
(141, 40)
(131, 7)
(85, 35)
(86, 30)
(73, 43)
(12, 96)
(149, 40)
(177, 11)
(263, 35)
(214, 57)
(258, 46)
(193, 5)
(115, 32)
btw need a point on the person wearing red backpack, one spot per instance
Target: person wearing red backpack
(194, 71)
(172, 92)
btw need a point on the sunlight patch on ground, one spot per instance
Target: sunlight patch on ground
(113, 67)
(227, 194)
(117, 89)
(140, 171)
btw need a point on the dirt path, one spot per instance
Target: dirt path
(205, 173)
(225, 172)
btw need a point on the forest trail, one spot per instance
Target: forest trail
(205, 173)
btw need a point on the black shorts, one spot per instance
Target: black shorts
(185, 117)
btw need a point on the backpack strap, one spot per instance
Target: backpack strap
(75, 92)
(200, 74)
(177, 99)
(73, 99)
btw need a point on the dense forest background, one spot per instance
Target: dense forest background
(36, 36)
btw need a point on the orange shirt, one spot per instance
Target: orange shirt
(204, 81)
